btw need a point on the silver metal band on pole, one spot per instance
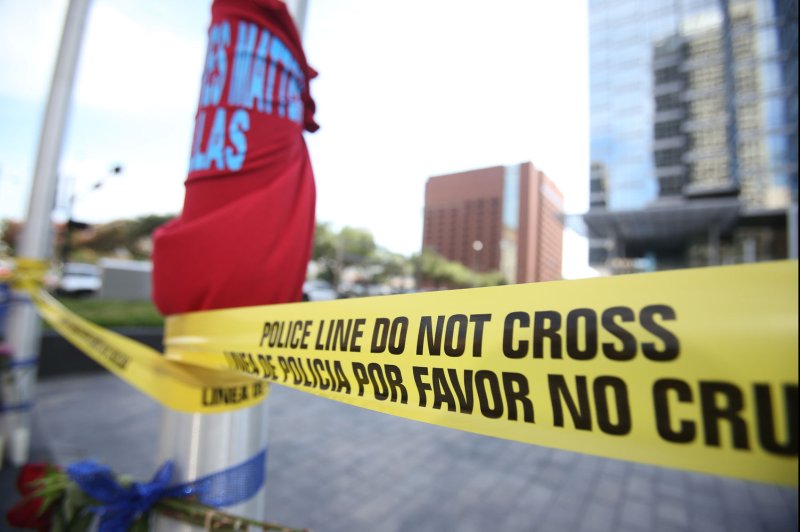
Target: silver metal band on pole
(37, 236)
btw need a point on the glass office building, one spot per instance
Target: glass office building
(693, 131)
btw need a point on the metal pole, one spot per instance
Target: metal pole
(65, 248)
(37, 238)
(201, 444)
(298, 9)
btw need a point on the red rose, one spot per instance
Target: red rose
(28, 475)
(28, 512)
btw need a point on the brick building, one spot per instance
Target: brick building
(505, 218)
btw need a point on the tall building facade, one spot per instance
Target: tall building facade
(503, 218)
(693, 131)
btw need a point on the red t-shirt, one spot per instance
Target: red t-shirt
(244, 235)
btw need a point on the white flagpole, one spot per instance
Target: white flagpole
(37, 237)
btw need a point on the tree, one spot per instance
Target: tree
(11, 232)
(324, 242)
(324, 251)
(337, 251)
(128, 237)
(388, 265)
(143, 226)
(105, 239)
(140, 233)
(88, 243)
(434, 271)
(355, 247)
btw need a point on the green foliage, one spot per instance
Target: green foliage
(356, 247)
(107, 238)
(9, 234)
(336, 251)
(437, 272)
(333, 251)
(115, 313)
(128, 236)
(324, 242)
(387, 264)
(144, 226)
(74, 514)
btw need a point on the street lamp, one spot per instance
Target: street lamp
(74, 224)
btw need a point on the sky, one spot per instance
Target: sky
(407, 90)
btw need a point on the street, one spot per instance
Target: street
(334, 467)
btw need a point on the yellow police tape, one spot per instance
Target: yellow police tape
(173, 384)
(176, 385)
(692, 369)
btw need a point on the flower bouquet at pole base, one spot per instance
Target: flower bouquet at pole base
(88, 496)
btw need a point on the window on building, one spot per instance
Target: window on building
(669, 101)
(670, 157)
(665, 130)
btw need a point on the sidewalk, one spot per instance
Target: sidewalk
(334, 467)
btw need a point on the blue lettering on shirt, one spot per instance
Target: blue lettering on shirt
(264, 76)
(242, 61)
(216, 141)
(240, 124)
(273, 66)
(257, 76)
(294, 100)
(263, 73)
(216, 66)
(197, 160)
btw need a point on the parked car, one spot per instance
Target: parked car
(79, 279)
(318, 290)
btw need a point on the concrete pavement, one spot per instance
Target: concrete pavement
(334, 467)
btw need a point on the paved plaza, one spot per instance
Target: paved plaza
(334, 467)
